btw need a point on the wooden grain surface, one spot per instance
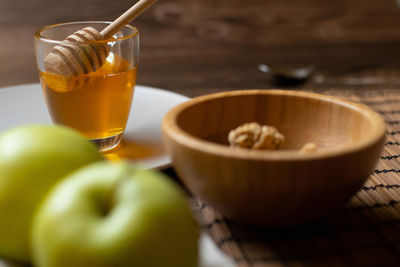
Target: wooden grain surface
(201, 46)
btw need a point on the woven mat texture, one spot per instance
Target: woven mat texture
(365, 232)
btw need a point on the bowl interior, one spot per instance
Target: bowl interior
(302, 118)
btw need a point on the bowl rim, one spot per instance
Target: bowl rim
(171, 128)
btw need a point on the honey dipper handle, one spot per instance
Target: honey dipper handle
(125, 18)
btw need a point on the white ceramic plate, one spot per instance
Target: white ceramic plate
(142, 142)
(24, 104)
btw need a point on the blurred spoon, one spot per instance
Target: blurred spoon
(301, 73)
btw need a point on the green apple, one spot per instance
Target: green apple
(32, 159)
(115, 214)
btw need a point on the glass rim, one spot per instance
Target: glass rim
(38, 34)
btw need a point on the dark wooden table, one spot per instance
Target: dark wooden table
(201, 46)
(195, 47)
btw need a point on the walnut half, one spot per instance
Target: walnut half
(255, 136)
(308, 148)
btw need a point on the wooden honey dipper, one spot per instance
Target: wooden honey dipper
(76, 55)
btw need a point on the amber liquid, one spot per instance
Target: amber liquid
(96, 104)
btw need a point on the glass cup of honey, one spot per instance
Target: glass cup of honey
(95, 94)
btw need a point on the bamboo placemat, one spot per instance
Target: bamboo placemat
(365, 232)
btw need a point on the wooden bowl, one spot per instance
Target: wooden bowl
(274, 187)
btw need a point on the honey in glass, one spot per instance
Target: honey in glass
(98, 103)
